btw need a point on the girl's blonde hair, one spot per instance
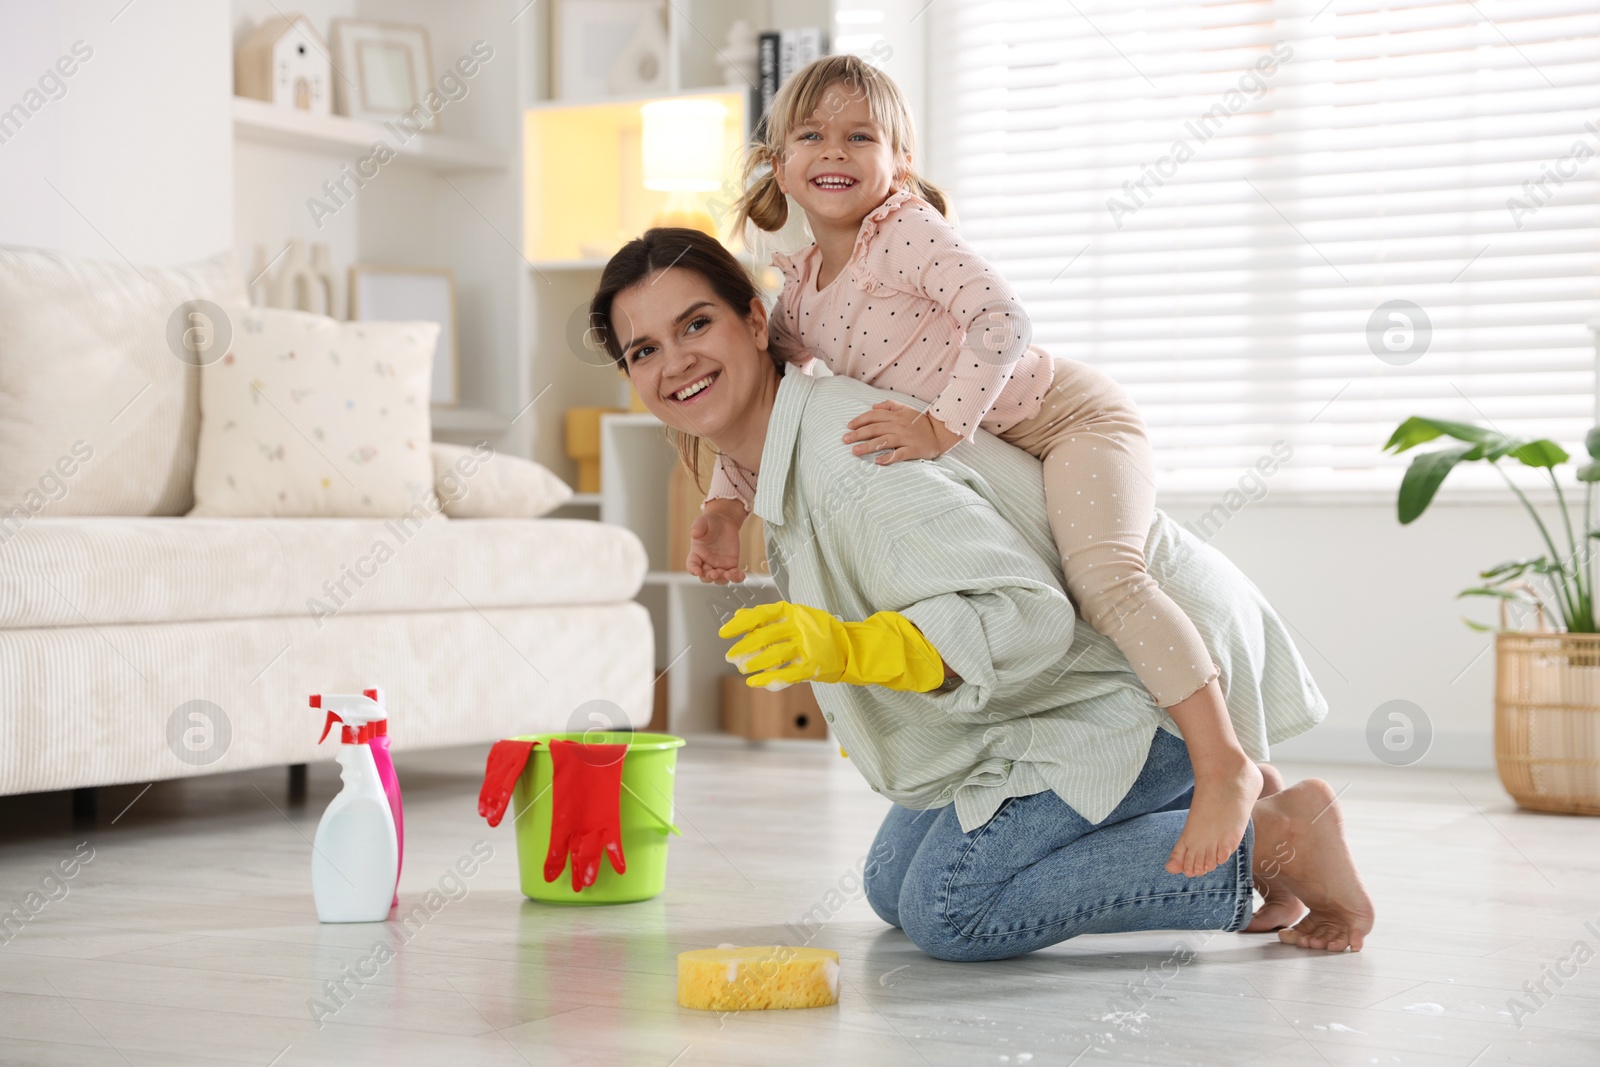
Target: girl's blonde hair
(826, 84)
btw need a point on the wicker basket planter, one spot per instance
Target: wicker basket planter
(1547, 720)
(1547, 682)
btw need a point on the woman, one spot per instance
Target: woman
(1037, 795)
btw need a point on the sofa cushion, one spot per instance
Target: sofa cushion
(98, 416)
(480, 483)
(79, 714)
(77, 571)
(309, 416)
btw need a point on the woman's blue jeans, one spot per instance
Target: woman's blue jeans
(1038, 873)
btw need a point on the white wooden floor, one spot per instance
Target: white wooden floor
(190, 938)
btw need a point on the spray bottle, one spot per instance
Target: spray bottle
(356, 855)
(391, 781)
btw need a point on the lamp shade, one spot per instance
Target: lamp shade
(682, 145)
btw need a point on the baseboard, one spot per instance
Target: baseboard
(1466, 749)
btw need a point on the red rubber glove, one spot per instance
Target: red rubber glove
(506, 761)
(585, 820)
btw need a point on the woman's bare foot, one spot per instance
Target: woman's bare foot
(1223, 797)
(1300, 845)
(1279, 907)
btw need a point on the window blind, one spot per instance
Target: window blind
(1219, 203)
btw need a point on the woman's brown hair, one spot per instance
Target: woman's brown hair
(689, 250)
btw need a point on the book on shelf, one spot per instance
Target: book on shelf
(796, 48)
(767, 85)
(782, 54)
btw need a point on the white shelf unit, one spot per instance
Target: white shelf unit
(635, 465)
(564, 373)
(464, 198)
(582, 207)
(258, 120)
(460, 198)
(559, 275)
(594, 266)
(582, 266)
(469, 421)
(452, 198)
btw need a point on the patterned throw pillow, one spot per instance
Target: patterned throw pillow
(307, 416)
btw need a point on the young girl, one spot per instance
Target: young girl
(890, 295)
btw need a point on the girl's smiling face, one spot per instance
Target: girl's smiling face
(698, 364)
(838, 163)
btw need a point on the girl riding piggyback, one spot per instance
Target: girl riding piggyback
(888, 293)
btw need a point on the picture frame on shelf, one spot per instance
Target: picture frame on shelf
(390, 293)
(385, 70)
(606, 48)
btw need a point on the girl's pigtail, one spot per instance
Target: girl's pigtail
(931, 193)
(762, 203)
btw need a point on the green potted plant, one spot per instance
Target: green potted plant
(1547, 683)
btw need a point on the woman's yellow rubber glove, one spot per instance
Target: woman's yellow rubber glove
(787, 643)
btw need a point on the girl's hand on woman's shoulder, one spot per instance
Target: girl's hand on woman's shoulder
(901, 432)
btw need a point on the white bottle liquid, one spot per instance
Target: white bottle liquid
(355, 857)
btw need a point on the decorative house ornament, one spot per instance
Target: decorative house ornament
(642, 65)
(606, 48)
(284, 61)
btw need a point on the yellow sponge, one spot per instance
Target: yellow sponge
(761, 976)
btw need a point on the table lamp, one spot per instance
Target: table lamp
(683, 154)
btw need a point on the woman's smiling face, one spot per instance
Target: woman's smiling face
(698, 364)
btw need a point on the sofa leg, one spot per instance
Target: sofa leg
(297, 783)
(85, 803)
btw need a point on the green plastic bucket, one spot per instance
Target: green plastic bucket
(645, 808)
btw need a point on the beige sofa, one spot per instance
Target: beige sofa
(137, 644)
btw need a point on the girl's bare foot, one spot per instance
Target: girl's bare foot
(1217, 817)
(1300, 845)
(1279, 907)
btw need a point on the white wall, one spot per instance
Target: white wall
(901, 29)
(138, 147)
(1372, 605)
